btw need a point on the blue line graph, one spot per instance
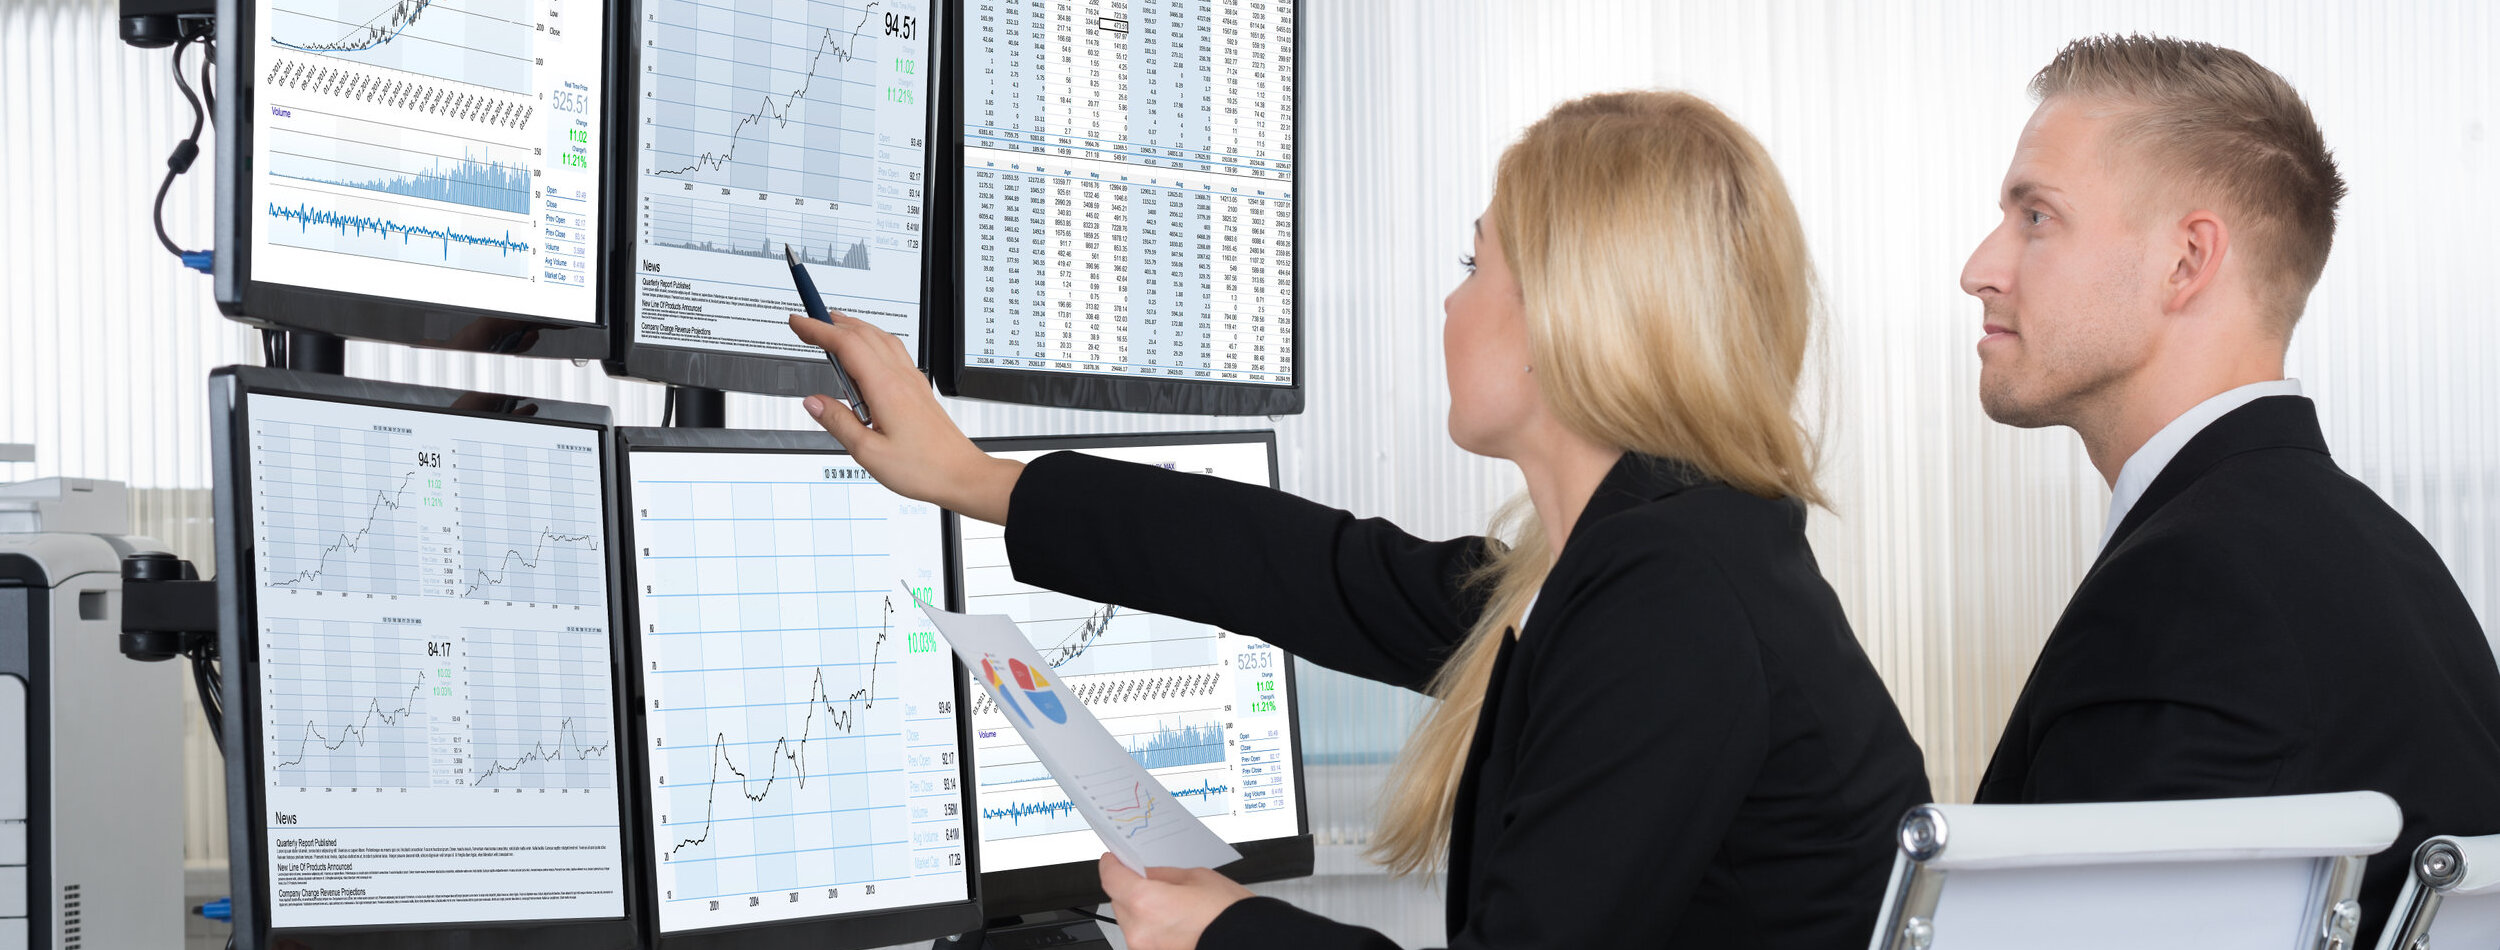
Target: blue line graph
(433, 37)
(1015, 813)
(1018, 811)
(371, 236)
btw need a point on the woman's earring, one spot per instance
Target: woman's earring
(1527, 369)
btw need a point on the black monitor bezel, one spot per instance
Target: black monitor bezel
(741, 372)
(230, 389)
(857, 931)
(363, 316)
(1076, 884)
(1090, 391)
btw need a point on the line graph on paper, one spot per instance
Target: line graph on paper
(345, 704)
(345, 510)
(530, 524)
(479, 42)
(539, 707)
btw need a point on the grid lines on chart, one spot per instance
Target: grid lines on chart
(530, 524)
(778, 712)
(337, 508)
(539, 708)
(457, 40)
(345, 704)
(791, 116)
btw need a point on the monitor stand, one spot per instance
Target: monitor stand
(1049, 930)
(310, 352)
(697, 408)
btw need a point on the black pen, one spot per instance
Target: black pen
(816, 309)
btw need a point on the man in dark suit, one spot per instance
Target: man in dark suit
(2257, 622)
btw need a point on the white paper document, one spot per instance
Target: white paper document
(1139, 821)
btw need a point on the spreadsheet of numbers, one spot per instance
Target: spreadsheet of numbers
(1128, 188)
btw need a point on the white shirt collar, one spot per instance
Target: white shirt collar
(2147, 462)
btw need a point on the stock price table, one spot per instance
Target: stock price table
(1128, 185)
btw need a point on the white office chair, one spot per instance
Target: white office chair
(2452, 899)
(2223, 874)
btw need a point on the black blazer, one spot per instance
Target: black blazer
(2262, 624)
(1686, 747)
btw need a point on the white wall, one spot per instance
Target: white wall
(1955, 540)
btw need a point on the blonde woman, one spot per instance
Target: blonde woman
(1654, 725)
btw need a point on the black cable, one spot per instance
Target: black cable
(184, 153)
(212, 696)
(212, 704)
(216, 680)
(1082, 912)
(272, 348)
(668, 407)
(208, 72)
(188, 150)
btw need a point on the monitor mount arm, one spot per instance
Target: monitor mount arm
(168, 611)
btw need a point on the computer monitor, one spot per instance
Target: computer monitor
(1210, 714)
(759, 124)
(802, 784)
(418, 640)
(1123, 206)
(415, 171)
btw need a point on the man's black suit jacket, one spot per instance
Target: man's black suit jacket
(2263, 624)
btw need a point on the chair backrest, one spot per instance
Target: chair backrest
(2279, 873)
(2451, 901)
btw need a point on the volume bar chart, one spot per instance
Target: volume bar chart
(325, 149)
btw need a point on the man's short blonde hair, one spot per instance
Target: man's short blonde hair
(2216, 120)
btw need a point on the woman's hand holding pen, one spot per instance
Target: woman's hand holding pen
(913, 448)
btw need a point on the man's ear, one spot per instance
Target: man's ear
(2203, 243)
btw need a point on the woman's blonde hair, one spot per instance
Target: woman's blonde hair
(1670, 305)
